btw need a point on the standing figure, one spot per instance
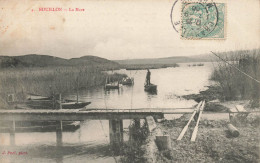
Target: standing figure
(148, 76)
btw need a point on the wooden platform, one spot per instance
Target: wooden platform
(75, 114)
(89, 113)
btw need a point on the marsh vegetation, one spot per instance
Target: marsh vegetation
(44, 81)
(233, 83)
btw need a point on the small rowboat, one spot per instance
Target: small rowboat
(49, 104)
(128, 81)
(112, 86)
(150, 88)
(74, 105)
(40, 126)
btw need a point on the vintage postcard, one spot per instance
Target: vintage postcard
(129, 81)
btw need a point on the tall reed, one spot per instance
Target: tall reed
(234, 84)
(44, 81)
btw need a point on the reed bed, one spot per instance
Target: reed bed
(234, 84)
(44, 81)
(148, 66)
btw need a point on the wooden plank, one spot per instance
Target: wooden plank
(187, 125)
(58, 115)
(194, 134)
(240, 108)
(233, 109)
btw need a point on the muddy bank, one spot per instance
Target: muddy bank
(214, 95)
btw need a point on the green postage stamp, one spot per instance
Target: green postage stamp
(203, 20)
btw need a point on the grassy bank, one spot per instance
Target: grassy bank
(43, 81)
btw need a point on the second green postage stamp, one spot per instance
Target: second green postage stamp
(203, 20)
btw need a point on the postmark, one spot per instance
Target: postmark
(202, 20)
(175, 16)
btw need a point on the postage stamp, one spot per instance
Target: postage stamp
(203, 20)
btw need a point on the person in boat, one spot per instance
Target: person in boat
(148, 77)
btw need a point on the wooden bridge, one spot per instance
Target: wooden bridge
(85, 114)
(115, 117)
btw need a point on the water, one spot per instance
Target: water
(90, 143)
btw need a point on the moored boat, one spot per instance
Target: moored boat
(150, 88)
(128, 81)
(111, 85)
(40, 126)
(74, 105)
(50, 104)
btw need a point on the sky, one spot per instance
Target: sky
(115, 29)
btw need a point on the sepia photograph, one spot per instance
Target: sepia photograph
(129, 81)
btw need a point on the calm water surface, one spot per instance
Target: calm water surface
(90, 143)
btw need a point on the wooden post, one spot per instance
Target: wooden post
(12, 133)
(59, 133)
(233, 130)
(163, 142)
(77, 89)
(60, 101)
(116, 134)
(137, 123)
(134, 129)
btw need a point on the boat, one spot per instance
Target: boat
(150, 88)
(40, 126)
(41, 102)
(111, 85)
(50, 104)
(128, 81)
(74, 105)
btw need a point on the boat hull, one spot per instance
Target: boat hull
(128, 81)
(150, 88)
(48, 104)
(111, 86)
(75, 105)
(41, 126)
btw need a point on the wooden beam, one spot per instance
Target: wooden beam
(241, 109)
(59, 133)
(194, 134)
(233, 130)
(12, 133)
(187, 125)
(45, 115)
